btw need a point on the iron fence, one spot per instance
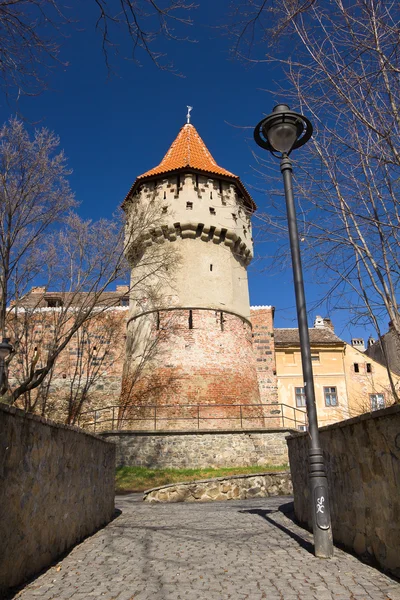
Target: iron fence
(152, 417)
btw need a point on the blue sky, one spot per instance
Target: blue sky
(113, 129)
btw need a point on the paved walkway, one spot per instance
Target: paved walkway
(215, 551)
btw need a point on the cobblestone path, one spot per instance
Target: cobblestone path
(215, 551)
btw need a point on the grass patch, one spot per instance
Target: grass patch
(138, 479)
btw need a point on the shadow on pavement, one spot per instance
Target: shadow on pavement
(287, 510)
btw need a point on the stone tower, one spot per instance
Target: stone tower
(200, 318)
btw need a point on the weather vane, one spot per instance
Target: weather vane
(190, 108)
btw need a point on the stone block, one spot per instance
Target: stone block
(363, 468)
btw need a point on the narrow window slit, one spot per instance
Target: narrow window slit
(190, 319)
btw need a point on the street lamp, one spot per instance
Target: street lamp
(280, 133)
(5, 350)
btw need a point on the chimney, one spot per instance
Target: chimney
(328, 323)
(358, 344)
(38, 290)
(319, 322)
(371, 341)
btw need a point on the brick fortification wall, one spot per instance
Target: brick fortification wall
(204, 357)
(363, 466)
(57, 486)
(201, 449)
(262, 320)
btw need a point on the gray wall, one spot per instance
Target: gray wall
(200, 449)
(57, 486)
(363, 467)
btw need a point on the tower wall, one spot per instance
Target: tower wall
(196, 329)
(211, 228)
(204, 357)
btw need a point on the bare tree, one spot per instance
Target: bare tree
(34, 195)
(92, 356)
(31, 32)
(79, 259)
(97, 346)
(341, 69)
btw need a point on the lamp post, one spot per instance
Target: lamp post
(5, 350)
(280, 133)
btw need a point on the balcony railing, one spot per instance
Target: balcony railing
(194, 417)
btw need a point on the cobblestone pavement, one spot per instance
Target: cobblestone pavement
(223, 550)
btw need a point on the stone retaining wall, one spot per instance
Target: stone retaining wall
(363, 467)
(57, 487)
(200, 449)
(237, 487)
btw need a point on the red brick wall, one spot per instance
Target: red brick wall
(262, 320)
(210, 363)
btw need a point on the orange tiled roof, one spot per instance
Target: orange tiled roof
(188, 150)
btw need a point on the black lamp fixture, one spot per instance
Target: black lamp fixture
(283, 130)
(280, 133)
(5, 350)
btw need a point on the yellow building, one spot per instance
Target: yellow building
(347, 382)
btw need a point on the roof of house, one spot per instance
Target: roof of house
(188, 151)
(39, 298)
(321, 336)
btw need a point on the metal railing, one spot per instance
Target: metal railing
(152, 417)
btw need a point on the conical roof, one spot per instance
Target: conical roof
(188, 151)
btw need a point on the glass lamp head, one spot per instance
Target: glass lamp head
(283, 130)
(5, 349)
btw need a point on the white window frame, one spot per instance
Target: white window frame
(300, 395)
(377, 401)
(329, 395)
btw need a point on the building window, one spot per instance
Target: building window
(190, 320)
(369, 368)
(189, 205)
(377, 401)
(356, 368)
(165, 210)
(330, 395)
(124, 301)
(54, 302)
(212, 211)
(302, 427)
(300, 396)
(315, 357)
